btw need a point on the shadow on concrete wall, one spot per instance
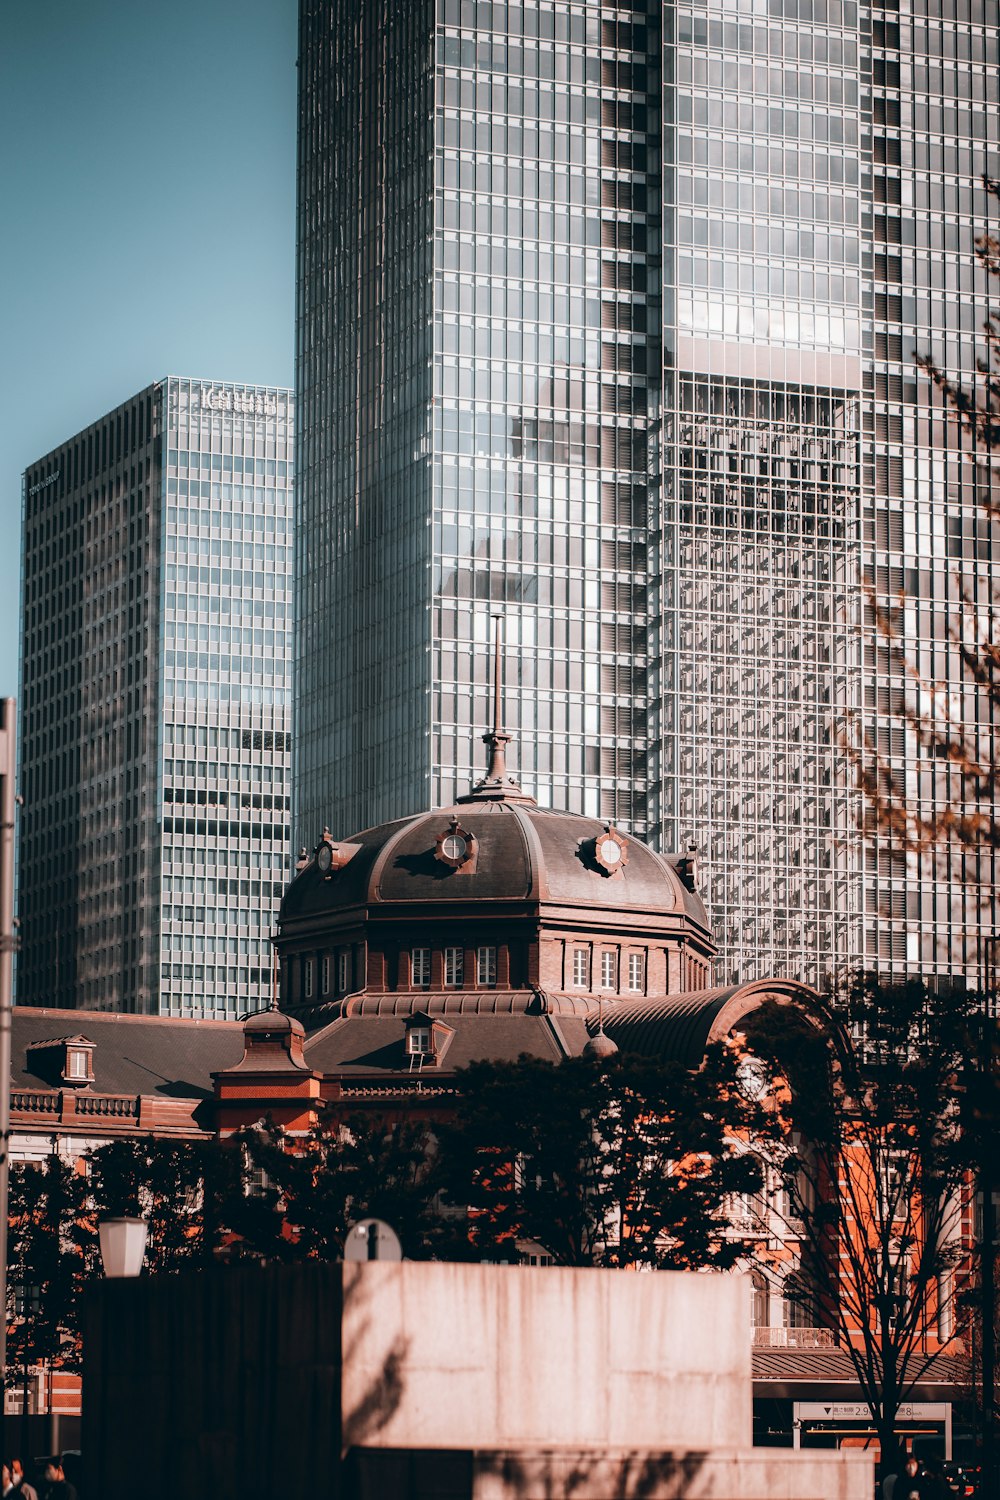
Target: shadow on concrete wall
(381, 1400)
(374, 1474)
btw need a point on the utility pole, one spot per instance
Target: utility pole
(988, 1241)
(8, 762)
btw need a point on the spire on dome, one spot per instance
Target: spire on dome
(497, 784)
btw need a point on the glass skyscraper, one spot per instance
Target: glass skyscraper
(592, 332)
(155, 704)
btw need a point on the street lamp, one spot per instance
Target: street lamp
(123, 1245)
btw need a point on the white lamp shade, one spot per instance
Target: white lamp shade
(123, 1245)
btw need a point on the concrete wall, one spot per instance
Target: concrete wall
(433, 1382)
(506, 1357)
(596, 1474)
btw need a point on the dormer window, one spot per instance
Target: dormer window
(427, 1040)
(62, 1060)
(77, 1061)
(418, 1041)
(77, 1065)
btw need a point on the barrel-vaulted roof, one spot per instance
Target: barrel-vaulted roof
(681, 1026)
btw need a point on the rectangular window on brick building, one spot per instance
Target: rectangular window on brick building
(580, 967)
(487, 968)
(607, 971)
(343, 972)
(454, 967)
(636, 971)
(420, 962)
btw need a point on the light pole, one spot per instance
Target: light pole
(987, 1187)
(8, 752)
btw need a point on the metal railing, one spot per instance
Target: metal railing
(794, 1338)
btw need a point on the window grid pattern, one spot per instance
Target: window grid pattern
(680, 541)
(757, 649)
(933, 101)
(581, 968)
(454, 967)
(171, 628)
(420, 967)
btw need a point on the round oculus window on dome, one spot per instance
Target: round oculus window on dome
(453, 846)
(324, 858)
(610, 851)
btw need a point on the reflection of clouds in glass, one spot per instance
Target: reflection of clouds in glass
(763, 321)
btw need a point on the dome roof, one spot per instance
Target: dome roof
(494, 845)
(516, 852)
(599, 1047)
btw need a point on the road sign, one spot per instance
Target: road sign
(860, 1411)
(372, 1239)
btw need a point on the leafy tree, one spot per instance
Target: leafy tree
(368, 1166)
(159, 1181)
(626, 1161)
(51, 1254)
(877, 1168)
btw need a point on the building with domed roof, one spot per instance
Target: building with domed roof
(486, 930)
(483, 931)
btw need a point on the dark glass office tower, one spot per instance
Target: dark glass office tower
(155, 736)
(592, 332)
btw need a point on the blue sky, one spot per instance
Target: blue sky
(147, 174)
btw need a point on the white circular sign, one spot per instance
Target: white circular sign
(372, 1239)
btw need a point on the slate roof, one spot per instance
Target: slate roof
(132, 1054)
(355, 1045)
(364, 1033)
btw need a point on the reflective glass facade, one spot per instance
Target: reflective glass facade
(155, 704)
(935, 86)
(759, 473)
(606, 322)
(478, 335)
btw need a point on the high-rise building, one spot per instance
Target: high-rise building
(155, 703)
(592, 331)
